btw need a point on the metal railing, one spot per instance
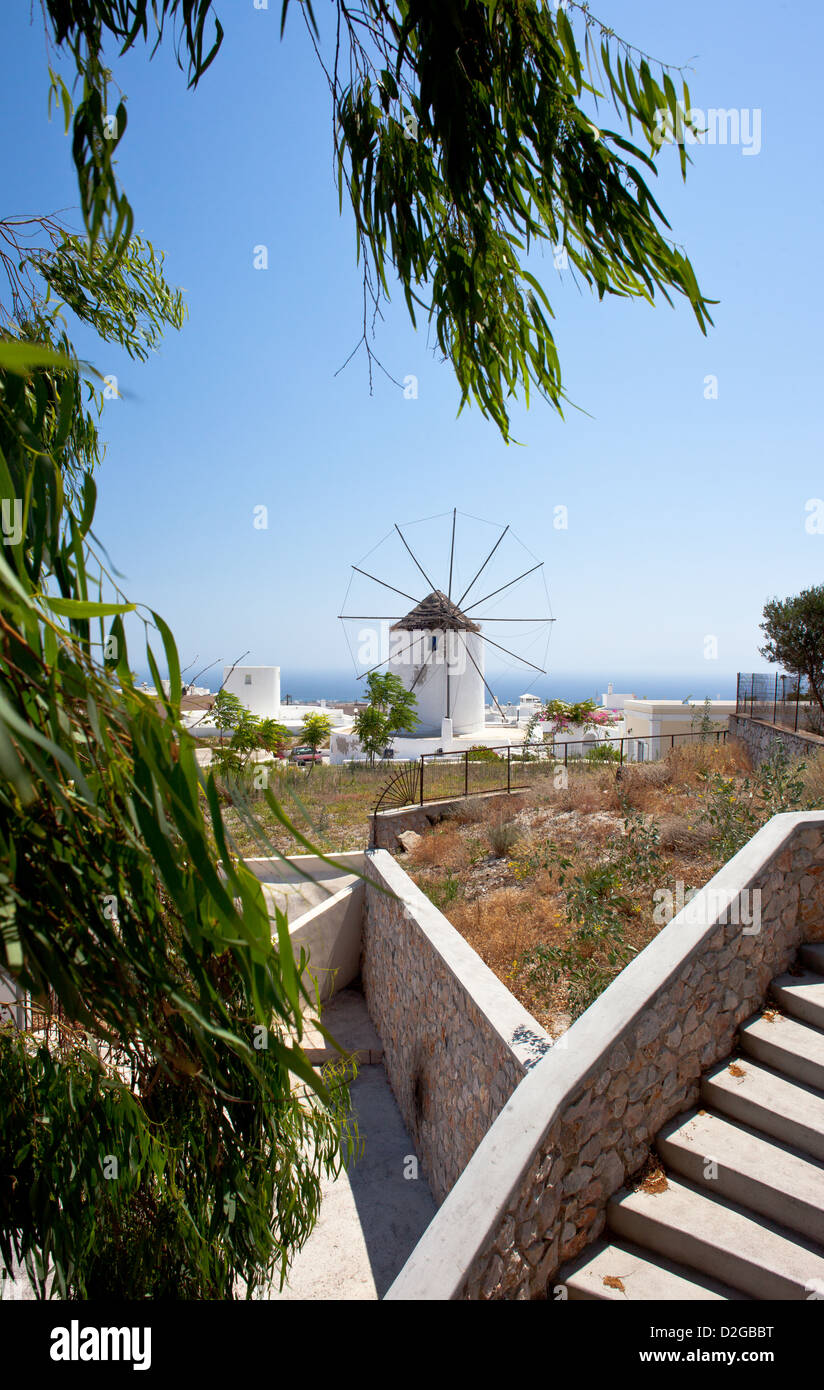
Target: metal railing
(474, 771)
(784, 700)
(51, 1027)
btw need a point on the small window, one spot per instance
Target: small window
(247, 680)
(434, 643)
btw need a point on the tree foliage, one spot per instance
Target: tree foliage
(315, 730)
(392, 709)
(465, 136)
(163, 1131)
(794, 629)
(128, 918)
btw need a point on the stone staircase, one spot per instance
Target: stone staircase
(736, 1208)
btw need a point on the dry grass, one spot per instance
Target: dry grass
(443, 847)
(688, 760)
(688, 836)
(814, 779)
(503, 835)
(507, 906)
(329, 805)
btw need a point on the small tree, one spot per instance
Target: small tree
(392, 710)
(226, 712)
(272, 736)
(794, 628)
(702, 721)
(315, 731)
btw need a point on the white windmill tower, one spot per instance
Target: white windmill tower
(438, 654)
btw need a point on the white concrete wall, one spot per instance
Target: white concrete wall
(330, 934)
(611, 700)
(466, 687)
(325, 911)
(257, 687)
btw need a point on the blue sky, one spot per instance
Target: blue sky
(684, 513)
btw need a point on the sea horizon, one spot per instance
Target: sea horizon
(305, 686)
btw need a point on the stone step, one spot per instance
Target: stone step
(758, 1173)
(802, 996)
(765, 1100)
(719, 1238)
(624, 1273)
(812, 955)
(794, 1048)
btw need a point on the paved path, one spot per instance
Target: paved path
(372, 1216)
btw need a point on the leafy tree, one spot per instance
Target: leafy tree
(391, 710)
(315, 732)
(154, 1141)
(227, 711)
(464, 134)
(243, 743)
(479, 753)
(272, 736)
(794, 628)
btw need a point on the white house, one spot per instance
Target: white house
(611, 700)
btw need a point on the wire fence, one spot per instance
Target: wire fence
(787, 701)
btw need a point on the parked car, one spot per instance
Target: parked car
(304, 754)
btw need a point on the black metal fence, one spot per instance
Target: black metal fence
(442, 776)
(779, 699)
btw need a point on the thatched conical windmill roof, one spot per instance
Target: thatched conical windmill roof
(436, 612)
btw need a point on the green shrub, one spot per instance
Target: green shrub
(444, 891)
(603, 753)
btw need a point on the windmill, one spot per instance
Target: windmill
(438, 646)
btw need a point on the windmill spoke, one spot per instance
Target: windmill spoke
(484, 565)
(514, 655)
(384, 583)
(479, 601)
(412, 553)
(481, 674)
(452, 551)
(393, 656)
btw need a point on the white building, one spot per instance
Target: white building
(612, 701)
(257, 687)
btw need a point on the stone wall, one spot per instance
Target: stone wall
(583, 1120)
(386, 826)
(456, 1042)
(762, 739)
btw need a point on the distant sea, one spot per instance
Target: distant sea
(310, 686)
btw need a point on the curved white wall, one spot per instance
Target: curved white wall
(466, 688)
(257, 687)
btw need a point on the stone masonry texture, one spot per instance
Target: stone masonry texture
(762, 739)
(450, 1070)
(651, 1074)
